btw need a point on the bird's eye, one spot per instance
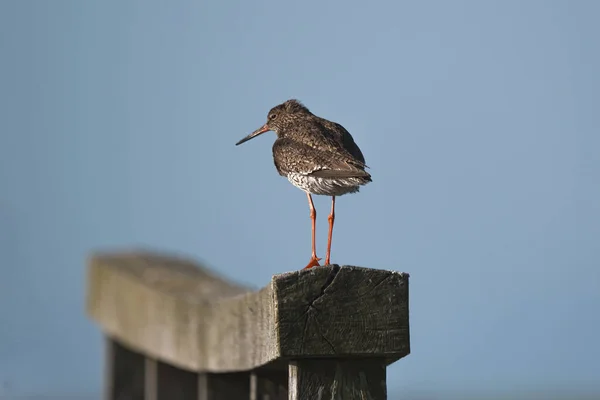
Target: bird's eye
(272, 116)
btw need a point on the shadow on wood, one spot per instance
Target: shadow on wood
(177, 331)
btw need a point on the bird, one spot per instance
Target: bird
(318, 156)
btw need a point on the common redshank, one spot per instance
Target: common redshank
(318, 156)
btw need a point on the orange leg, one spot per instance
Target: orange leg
(314, 260)
(331, 218)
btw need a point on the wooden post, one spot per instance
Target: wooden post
(150, 379)
(110, 374)
(179, 332)
(124, 373)
(352, 379)
(269, 385)
(172, 383)
(176, 384)
(231, 386)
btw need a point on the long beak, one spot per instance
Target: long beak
(254, 134)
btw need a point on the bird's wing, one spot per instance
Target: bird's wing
(329, 136)
(344, 140)
(293, 156)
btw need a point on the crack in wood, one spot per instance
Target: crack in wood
(323, 336)
(328, 282)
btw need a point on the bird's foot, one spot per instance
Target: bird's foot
(314, 262)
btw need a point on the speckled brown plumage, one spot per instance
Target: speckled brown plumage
(316, 155)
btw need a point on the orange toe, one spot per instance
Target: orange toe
(314, 262)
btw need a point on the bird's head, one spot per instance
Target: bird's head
(280, 118)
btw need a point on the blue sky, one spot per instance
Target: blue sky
(478, 119)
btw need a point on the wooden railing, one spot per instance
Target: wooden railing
(176, 331)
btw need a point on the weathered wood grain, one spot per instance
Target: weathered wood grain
(349, 379)
(347, 311)
(172, 310)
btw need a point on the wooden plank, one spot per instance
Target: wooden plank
(349, 379)
(228, 386)
(171, 309)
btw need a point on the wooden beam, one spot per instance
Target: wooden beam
(174, 311)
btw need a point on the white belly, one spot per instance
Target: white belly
(325, 186)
